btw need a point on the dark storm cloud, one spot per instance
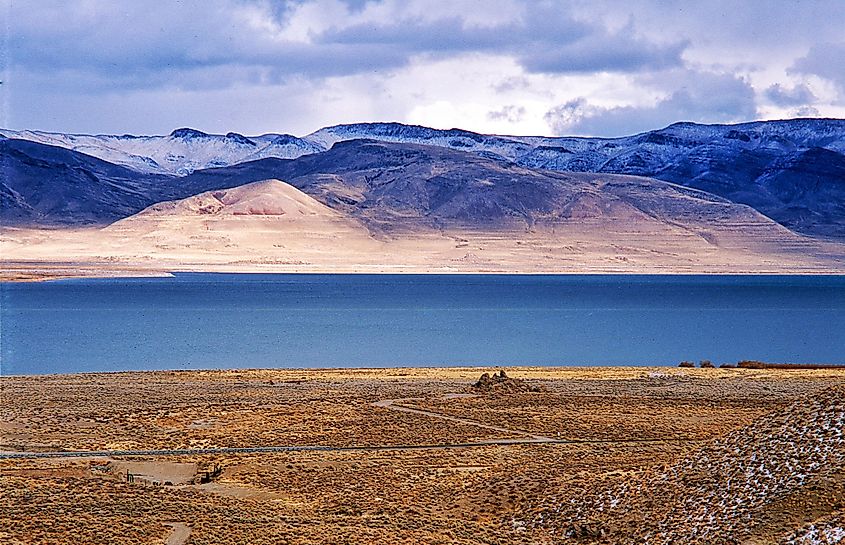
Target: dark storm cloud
(149, 46)
(140, 38)
(545, 40)
(618, 52)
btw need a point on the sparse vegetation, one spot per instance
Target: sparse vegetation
(753, 364)
(482, 495)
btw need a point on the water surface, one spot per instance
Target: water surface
(198, 320)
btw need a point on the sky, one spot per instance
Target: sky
(591, 67)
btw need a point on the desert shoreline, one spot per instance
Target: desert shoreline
(467, 372)
(15, 273)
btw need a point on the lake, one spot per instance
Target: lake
(199, 320)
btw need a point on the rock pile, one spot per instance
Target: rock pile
(501, 383)
(754, 483)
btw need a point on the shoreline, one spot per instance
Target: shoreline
(43, 272)
(468, 372)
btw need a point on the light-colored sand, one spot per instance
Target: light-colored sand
(157, 471)
(180, 534)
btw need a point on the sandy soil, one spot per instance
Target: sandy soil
(256, 245)
(472, 495)
(180, 534)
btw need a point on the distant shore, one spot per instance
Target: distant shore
(45, 271)
(297, 375)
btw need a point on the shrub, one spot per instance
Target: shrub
(686, 364)
(706, 364)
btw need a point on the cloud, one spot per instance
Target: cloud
(796, 96)
(597, 66)
(704, 97)
(620, 51)
(144, 38)
(512, 83)
(155, 44)
(806, 111)
(566, 116)
(546, 39)
(825, 60)
(509, 113)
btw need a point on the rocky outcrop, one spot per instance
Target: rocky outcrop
(501, 383)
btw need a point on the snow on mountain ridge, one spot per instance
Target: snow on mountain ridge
(458, 139)
(734, 161)
(185, 149)
(181, 152)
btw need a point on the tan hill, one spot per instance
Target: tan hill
(265, 198)
(267, 222)
(770, 482)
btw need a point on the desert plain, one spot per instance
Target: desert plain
(424, 456)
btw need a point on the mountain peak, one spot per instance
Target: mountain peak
(186, 132)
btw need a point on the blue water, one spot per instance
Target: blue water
(195, 321)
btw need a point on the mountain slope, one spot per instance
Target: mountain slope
(47, 185)
(268, 217)
(759, 484)
(390, 187)
(264, 198)
(395, 187)
(402, 190)
(378, 206)
(789, 170)
(733, 161)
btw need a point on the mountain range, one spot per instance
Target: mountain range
(756, 197)
(792, 171)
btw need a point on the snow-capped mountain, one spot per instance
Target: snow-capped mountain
(503, 147)
(385, 185)
(791, 170)
(371, 193)
(185, 150)
(181, 152)
(649, 150)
